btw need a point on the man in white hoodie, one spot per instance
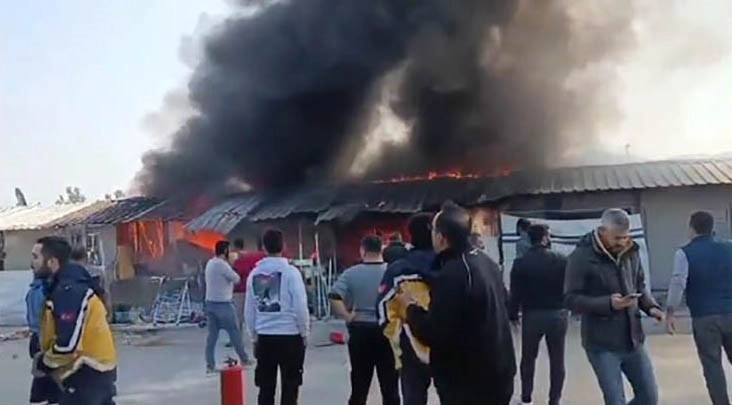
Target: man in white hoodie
(276, 310)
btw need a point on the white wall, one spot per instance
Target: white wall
(666, 214)
(18, 245)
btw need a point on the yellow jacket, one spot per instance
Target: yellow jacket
(74, 327)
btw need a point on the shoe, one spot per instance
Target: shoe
(210, 372)
(248, 363)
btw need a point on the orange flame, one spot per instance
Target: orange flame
(452, 174)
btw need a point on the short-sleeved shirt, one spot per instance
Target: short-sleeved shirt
(358, 287)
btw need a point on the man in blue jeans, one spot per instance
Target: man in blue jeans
(605, 282)
(219, 307)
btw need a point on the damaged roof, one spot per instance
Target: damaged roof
(124, 210)
(224, 217)
(345, 201)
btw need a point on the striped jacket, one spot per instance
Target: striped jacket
(74, 327)
(409, 273)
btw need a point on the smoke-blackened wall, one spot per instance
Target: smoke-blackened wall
(287, 95)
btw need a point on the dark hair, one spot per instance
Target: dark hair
(55, 247)
(371, 244)
(453, 223)
(239, 243)
(537, 232)
(222, 248)
(395, 237)
(702, 222)
(419, 231)
(78, 253)
(522, 225)
(273, 241)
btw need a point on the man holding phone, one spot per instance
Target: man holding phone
(605, 283)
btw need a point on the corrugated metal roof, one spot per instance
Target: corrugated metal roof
(340, 212)
(310, 200)
(169, 210)
(120, 211)
(342, 201)
(80, 216)
(631, 176)
(36, 216)
(225, 216)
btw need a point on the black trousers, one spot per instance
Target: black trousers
(416, 379)
(43, 389)
(284, 353)
(90, 387)
(369, 349)
(535, 326)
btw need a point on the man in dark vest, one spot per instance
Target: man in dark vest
(704, 269)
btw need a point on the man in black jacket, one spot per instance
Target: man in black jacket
(395, 249)
(416, 266)
(537, 288)
(605, 283)
(466, 327)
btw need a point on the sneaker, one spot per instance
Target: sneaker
(211, 372)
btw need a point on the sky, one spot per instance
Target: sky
(76, 79)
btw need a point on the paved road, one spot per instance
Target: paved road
(171, 371)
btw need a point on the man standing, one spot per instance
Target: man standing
(523, 244)
(606, 284)
(244, 264)
(466, 327)
(395, 249)
(704, 269)
(79, 256)
(77, 346)
(353, 297)
(276, 310)
(537, 288)
(413, 268)
(220, 280)
(44, 390)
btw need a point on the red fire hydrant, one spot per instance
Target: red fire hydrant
(233, 390)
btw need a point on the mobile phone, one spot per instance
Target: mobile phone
(635, 295)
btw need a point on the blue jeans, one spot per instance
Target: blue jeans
(609, 367)
(221, 315)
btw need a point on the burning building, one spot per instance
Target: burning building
(344, 117)
(664, 193)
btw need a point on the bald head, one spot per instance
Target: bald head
(615, 229)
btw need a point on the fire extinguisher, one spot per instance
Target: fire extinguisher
(232, 384)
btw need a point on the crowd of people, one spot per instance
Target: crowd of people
(435, 313)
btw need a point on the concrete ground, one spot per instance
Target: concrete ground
(168, 368)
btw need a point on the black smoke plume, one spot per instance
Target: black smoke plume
(287, 95)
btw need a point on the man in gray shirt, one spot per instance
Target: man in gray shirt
(220, 314)
(354, 297)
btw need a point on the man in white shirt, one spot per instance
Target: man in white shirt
(220, 314)
(276, 310)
